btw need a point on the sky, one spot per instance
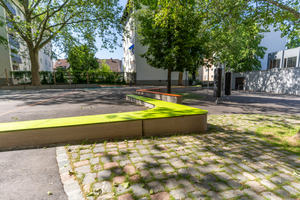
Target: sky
(105, 54)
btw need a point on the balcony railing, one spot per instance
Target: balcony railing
(15, 58)
(12, 10)
(14, 43)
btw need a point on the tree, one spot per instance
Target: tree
(104, 67)
(82, 59)
(44, 20)
(169, 29)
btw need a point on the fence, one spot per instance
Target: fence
(61, 76)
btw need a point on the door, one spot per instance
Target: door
(239, 83)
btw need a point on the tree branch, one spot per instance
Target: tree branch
(294, 12)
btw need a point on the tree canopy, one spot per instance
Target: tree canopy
(43, 21)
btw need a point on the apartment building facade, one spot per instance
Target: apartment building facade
(133, 62)
(288, 58)
(15, 57)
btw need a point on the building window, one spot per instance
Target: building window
(206, 70)
(15, 67)
(205, 77)
(212, 76)
(291, 62)
(212, 69)
(274, 63)
(41, 60)
(46, 62)
(59, 63)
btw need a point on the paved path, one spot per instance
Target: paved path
(220, 165)
(46, 104)
(248, 102)
(29, 175)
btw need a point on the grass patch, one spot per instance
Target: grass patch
(190, 96)
(281, 136)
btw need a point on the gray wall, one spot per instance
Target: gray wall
(285, 80)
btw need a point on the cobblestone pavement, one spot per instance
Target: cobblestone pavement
(224, 163)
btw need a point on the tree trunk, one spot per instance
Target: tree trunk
(169, 80)
(35, 67)
(194, 75)
(180, 78)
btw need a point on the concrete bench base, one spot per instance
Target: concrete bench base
(153, 122)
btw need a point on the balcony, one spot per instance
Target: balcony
(12, 10)
(14, 43)
(15, 58)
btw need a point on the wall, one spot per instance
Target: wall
(147, 75)
(286, 80)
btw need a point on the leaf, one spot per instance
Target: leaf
(151, 191)
(49, 193)
(126, 184)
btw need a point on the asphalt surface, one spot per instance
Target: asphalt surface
(29, 175)
(244, 102)
(24, 105)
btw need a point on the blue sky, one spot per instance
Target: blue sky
(105, 54)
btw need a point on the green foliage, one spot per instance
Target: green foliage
(65, 23)
(60, 75)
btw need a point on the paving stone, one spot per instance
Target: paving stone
(183, 172)
(86, 156)
(81, 163)
(270, 195)
(105, 159)
(234, 184)
(186, 185)
(159, 176)
(208, 160)
(240, 177)
(209, 178)
(223, 176)
(140, 166)
(134, 178)
(71, 186)
(208, 168)
(236, 168)
(213, 195)
(296, 185)
(178, 194)
(290, 189)
(167, 168)
(252, 194)
(63, 163)
(119, 179)
(277, 180)
(105, 174)
(138, 190)
(219, 186)
(111, 165)
(89, 178)
(268, 184)
(125, 197)
(156, 186)
(94, 161)
(124, 162)
(146, 175)
(282, 192)
(170, 183)
(193, 171)
(121, 190)
(248, 176)
(104, 186)
(228, 194)
(256, 186)
(84, 169)
(117, 158)
(286, 177)
(198, 195)
(265, 172)
(258, 175)
(155, 170)
(75, 195)
(97, 167)
(178, 164)
(129, 169)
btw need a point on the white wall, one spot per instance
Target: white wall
(273, 42)
(286, 80)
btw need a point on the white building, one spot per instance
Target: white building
(133, 62)
(16, 56)
(273, 42)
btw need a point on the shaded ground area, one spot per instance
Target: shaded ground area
(228, 162)
(247, 102)
(63, 103)
(30, 174)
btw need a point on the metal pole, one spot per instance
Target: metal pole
(87, 77)
(54, 77)
(6, 76)
(223, 89)
(186, 79)
(207, 80)
(69, 77)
